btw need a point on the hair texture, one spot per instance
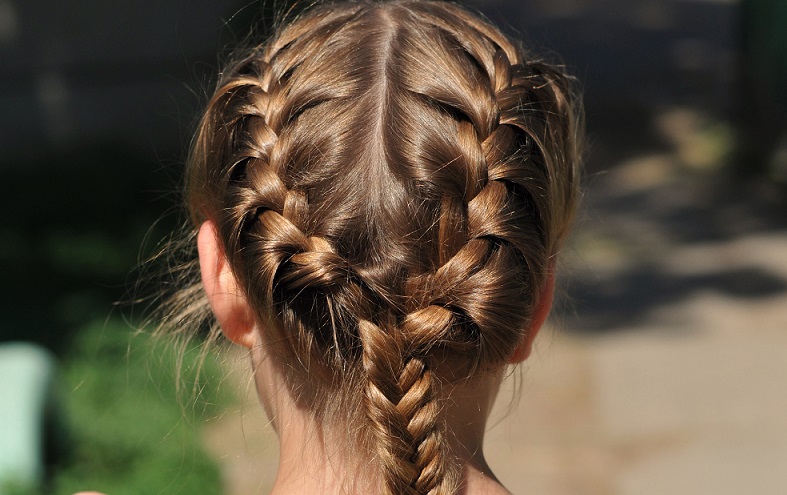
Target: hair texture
(389, 182)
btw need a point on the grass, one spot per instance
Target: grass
(131, 433)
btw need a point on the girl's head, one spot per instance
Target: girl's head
(381, 191)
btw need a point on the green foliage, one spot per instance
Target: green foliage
(131, 433)
(16, 488)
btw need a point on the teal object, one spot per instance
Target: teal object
(27, 400)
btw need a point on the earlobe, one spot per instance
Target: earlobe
(227, 301)
(540, 314)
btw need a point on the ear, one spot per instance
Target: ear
(227, 301)
(543, 306)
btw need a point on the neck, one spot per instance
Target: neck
(307, 466)
(314, 457)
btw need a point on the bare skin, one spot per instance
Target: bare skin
(311, 458)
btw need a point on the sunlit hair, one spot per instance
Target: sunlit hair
(390, 183)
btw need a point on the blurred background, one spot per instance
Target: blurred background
(664, 367)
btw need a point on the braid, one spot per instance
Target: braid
(403, 412)
(481, 221)
(389, 182)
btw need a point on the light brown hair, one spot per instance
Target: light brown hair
(390, 183)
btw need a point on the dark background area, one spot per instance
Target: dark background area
(98, 101)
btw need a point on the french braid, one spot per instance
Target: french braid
(389, 182)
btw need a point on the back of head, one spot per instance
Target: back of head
(390, 182)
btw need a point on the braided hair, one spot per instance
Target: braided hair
(389, 182)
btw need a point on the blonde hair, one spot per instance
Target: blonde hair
(389, 183)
